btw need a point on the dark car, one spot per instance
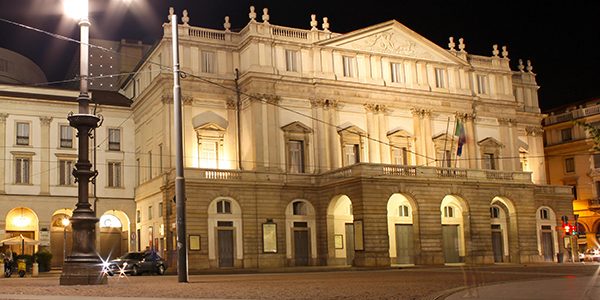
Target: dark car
(137, 263)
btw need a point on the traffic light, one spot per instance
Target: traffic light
(567, 228)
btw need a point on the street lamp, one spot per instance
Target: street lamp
(83, 266)
(65, 222)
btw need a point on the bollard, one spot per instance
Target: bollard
(35, 270)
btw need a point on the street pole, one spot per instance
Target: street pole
(182, 254)
(83, 266)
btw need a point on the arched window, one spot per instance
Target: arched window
(494, 212)
(299, 208)
(544, 214)
(403, 211)
(223, 207)
(448, 211)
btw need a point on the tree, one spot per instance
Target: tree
(593, 131)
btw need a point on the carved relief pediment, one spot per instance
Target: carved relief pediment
(393, 39)
(490, 142)
(296, 127)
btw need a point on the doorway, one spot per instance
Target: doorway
(350, 243)
(225, 244)
(497, 243)
(450, 243)
(404, 244)
(547, 244)
(300, 247)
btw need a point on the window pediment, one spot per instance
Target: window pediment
(209, 121)
(296, 127)
(350, 129)
(399, 133)
(490, 142)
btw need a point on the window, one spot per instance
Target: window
(114, 174)
(208, 62)
(223, 207)
(138, 217)
(160, 209)
(482, 84)
(565, 135)
(22, 133)
(596, 161)
(150, 212)
(348, 63)
(403, 211)
(448, 211)
(489, 161)
(296, 149)
(66, 136)
(208, 154)
(570, 165)
(160, 158)
(494, 212)
(291, 60)
(114, 139)
(397, 72)
(66, 172)
(400, 156)
(544, 214)
(22, 168)
(440, 78)
(351, 154)
(299, 208)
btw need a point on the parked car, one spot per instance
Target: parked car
(137, 263)
(590, 255)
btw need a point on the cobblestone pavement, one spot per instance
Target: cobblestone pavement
(317, 283)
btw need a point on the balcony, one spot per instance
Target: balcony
(594, 205)
(365, 170)
(572, 115)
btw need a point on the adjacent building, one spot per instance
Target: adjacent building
(367, 148)
(572, 159)
(38, 151)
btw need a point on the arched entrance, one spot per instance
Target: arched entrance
(61, 240)
(225, 240)
(453, 233)
(22, 221)
(503, 224)
(340, 231)
(300, 232)
(400, 211)
(547, 239)
(114, 234)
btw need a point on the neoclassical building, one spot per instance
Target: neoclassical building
(309, 147)
(573, 160)
(38, 150)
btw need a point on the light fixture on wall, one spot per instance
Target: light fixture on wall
(21, 220)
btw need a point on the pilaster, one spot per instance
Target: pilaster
(45, 155)
(3, 160)
(190, 141)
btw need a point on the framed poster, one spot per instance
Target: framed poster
(339, 241)
(194, 242)
(358, 235)
(269, 237)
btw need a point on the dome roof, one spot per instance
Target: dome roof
(18, 69)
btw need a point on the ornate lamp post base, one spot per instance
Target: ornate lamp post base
(83, 266)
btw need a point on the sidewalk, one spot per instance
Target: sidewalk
(584, 288)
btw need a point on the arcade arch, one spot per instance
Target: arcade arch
(300, 232)
(400, 212)
(340, 231)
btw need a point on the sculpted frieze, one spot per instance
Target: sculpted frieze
(391, 42)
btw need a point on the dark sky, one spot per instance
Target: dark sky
(561, 38)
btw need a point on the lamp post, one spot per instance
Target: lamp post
(83, 266)
(65, 222)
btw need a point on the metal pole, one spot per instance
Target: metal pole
(64, 244)
(182, 254)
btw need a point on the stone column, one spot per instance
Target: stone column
(45, 156)
(472, 149)
(536, 154)
(190, 139)
(335, 147)
(3, 117)
(384, 148)
(320, 149)
(372, 133)
(419, 144)
(504, 158)
(231, 152)
(427, 138)
(514, 146)
(276, 161)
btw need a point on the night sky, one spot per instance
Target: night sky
(561, 38)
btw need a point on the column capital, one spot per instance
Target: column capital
(187, 100)
(534, 130)
(231, 104)
(45, 120)
(268, 98)
(3, 117)
(417, 112)
(370, 107)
